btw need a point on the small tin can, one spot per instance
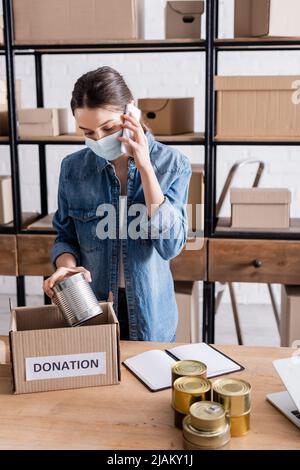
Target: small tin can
(76, 300)
(194, 439)
(188, 368)
(235, 396)
(208, 416)
(188, 390)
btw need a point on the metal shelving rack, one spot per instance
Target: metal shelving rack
(214, 47)
(211, 46)
(11, 50)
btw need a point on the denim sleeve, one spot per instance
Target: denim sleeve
(66, 240)
(168, 227)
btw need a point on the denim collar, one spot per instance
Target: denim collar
(102, 162)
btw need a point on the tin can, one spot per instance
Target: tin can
(188, 390)
(76, 300)
(188, 368)
(235, 396)
(208, 416)
(240, 425)
(194, 439)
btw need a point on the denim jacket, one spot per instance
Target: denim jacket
(88, 181)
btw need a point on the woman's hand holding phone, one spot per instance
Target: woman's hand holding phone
(137, 141)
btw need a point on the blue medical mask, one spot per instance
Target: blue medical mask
(108, 147)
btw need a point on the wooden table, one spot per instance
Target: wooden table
(128, 416)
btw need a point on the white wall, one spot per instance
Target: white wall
(151, 75)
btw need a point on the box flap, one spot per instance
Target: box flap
(267, 82)
(187, 7)
(35, 115)
(260, 196)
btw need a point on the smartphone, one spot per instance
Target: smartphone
(135, 112)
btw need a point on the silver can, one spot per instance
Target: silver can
(76, 300)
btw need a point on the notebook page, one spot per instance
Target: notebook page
(152, 367)
(217, 363)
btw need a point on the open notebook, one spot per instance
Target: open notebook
(153, 368)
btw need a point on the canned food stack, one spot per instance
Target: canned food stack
(206, 426)
(235, 396)
(189, 385)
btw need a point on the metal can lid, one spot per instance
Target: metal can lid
(229, 387)
(192, 385)
(205, 439)
(189, 368)
(207, 415)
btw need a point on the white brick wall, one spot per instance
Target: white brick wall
(150, 75)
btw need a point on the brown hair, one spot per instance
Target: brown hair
(99, 88)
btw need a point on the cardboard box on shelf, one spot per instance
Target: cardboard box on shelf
(3, 94)
(48, 355)
(39, 122)
(6, 202)
(196, 198)
(183, 19)
(168, 116)
(257, 107)
(260, 208)
(63, 120)
(3, 104)
(290, 315)
(76, 21)
(273, 18)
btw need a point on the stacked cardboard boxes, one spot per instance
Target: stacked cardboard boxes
(76, 21)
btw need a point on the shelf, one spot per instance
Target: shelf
(113, 46)
(194, 138)
(224, 229)
(257, 141)
(27, 218)
(4, 140)
(258, 44)
(43, 224)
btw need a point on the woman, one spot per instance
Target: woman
(132, 270)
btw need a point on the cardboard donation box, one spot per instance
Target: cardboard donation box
(258, 107)
(196, 198)
(3, 104)
(1, 30)
(6, 202)
(183, 19)
(168, 116)
(39, 122)
(75, 21)
(290, 315)
(260, 208)
(48, 355)
(254, 18)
